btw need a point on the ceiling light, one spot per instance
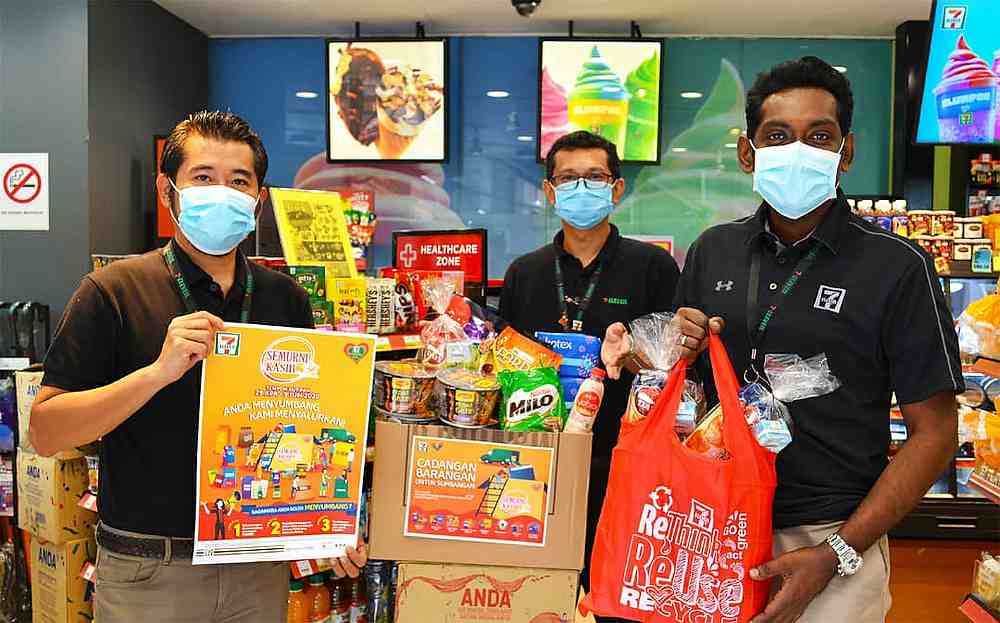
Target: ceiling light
(498, 94)
(840, 68)
(735, 131)
(691, 95)
(306, 95)
(731, 145)
(481, 212)
(679, 150)
(524, 138)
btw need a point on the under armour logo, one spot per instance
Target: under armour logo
(723, 285)
(830, 299)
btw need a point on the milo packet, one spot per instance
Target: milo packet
(532, 400)
(312, 279)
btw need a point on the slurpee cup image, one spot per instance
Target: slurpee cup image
(599, 101)
(966, 98)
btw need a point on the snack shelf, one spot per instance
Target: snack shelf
(389, 343)
(956, 271)
(976, 611)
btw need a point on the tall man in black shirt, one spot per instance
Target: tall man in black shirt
(589, 278)
(805, 276)
(124, 367)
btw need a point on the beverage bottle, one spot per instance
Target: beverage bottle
(359, 601)
(587, 404)
(319, 599)
(298, 603)
(340, 603)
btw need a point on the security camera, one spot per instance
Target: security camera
(525, 8)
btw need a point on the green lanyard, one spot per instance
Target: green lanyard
(171, 260)
(581, 306)
(756, 332)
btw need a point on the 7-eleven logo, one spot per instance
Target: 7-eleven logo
(954, 17)
(227, 344)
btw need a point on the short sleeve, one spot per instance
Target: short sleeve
(919, 338)
(687, 294)
(663, 279)
(507, 295)
(82, 353)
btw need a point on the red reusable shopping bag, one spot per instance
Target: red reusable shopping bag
(679, 532)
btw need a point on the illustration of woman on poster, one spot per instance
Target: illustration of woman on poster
(221, 510)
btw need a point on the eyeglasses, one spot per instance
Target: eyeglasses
(594, 181)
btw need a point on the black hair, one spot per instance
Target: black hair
(218, 125)
(581, 139)
(807, 72)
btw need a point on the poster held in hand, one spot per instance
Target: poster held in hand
(282, 434)
(679, 533)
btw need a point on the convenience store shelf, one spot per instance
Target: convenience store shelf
(951, 518)
(390, 343)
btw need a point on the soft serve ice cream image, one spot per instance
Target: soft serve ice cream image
(599, 101)
(966, 98)
(642, 133)
(555, 113)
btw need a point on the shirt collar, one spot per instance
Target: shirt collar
(197, 277)
(607, 251)
(828, 232)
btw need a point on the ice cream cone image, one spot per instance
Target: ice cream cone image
(966, 98)
(555, 118)
(599, 102)
(407, 98)
(643, 85)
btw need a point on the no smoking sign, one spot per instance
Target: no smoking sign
(24, 200)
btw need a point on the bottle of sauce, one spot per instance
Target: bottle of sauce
(587, 404)
(359, 601)
(319, 599)
(298, 603)
(340, 603)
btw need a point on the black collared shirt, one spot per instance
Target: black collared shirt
(873, 303)
(637, 279)
(114, 325)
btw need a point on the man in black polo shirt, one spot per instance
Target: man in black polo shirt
(805, 276)
(589, 278)
(125, 367)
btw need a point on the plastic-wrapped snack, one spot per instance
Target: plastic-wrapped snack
(380, 306)
(654, 340)
(706, 439)
(349, 305)
(767, 416)
(513, 351)
(979, 327)
(445, 341)
(410, 305)
(793, 378)
(532, 400)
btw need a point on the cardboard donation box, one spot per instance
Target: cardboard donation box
(48, 490)
(451, 593)
(27, 383)
(57, 588)
(479, 496)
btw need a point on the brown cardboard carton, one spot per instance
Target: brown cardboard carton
(57, 590)
(467, 593)
(48, 490)
(566, 501)
(27, 383)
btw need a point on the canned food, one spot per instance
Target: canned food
(466, 398)
(404, 387)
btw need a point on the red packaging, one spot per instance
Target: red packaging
(411, 305)
(678, 532)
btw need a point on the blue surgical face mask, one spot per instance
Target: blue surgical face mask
(796, 178)
(215, 219)
(581, 206)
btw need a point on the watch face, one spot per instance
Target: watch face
(853, 565)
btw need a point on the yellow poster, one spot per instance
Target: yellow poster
(281, 443)
(313, 230)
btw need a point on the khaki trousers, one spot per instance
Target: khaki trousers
(861, 598)
(131, 589)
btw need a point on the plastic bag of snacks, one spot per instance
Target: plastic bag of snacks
(445, 341)
(410, 304)
(793, 378)
(979, 327)
(654, 343)
(532, 400)
(986, 583)
(513, 351)
(767, 416)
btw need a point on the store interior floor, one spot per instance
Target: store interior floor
(929, 580)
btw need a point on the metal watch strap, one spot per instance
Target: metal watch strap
(850, 561)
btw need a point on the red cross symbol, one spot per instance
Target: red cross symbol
(408, 255)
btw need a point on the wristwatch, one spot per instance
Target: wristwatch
(850, 560)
